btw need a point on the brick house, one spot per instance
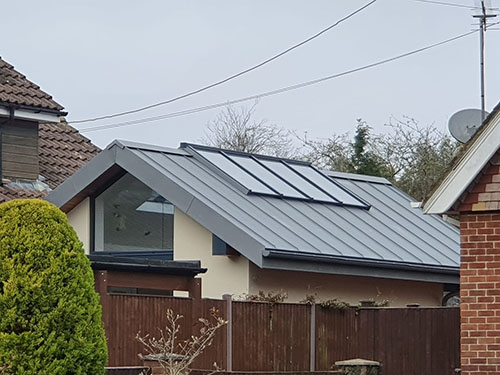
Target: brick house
(471, 192)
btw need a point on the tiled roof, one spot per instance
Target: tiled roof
(8, 193)
(63, 150)
(15, 88)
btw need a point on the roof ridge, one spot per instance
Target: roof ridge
(357, 177)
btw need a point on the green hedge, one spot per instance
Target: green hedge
(50, 316)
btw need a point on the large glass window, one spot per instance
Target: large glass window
(129, 216)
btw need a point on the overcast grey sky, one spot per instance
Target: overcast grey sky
(101, 57)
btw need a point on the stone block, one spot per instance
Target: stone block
(358, 366)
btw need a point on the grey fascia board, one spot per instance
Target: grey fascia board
(152, 177)
(82, 178)
(194, 208)
(294, 261)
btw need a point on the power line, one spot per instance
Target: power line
(448, 4)
(270, 93)
(191, 93)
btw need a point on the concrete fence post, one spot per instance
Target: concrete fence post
(358, 366)
(312, 345)
(229, 329)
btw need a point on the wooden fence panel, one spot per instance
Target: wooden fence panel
(411, 341)
(130, 314)
(216, 353)
(277, 337)
(270, 337)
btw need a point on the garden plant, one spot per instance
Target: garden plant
(50, 316)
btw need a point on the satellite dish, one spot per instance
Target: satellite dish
(464, 124)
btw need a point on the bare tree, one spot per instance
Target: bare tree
(414, 157)
(176, 356)
(419, 156)
(236, 129)
(332, 153)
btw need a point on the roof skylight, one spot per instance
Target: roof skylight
(279, 177)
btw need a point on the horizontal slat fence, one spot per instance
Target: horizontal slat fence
(282, 337)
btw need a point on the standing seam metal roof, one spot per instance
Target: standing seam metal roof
(390, 231)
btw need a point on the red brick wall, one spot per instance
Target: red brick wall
(480, 293)
(484, 192)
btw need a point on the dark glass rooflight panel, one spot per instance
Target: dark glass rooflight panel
(326, 184)
(236, 172)
(279, 177)
(280, 168)
(257, 168)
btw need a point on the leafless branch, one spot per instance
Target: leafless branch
(235, 129)
(176, 356)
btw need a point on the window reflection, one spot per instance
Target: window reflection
(130, 216)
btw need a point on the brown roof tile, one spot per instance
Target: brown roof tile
(8, 193)
(63, 150)
(15, 88)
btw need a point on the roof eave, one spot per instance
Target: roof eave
(467, 168)
(30, 113)
(82, 178)
(185, 268)
(299, 261)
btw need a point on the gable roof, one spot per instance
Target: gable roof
(480, 149)
(389, 239)
(15, 88)
(62, 150)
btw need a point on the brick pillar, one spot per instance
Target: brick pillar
(480, 293)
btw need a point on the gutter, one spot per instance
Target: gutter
(363, 262)
(29, 113)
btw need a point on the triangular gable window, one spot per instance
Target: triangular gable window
(130, 217)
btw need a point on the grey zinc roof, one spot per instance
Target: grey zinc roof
(391, 239)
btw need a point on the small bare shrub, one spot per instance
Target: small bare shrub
(372, 303)
(271, 297)
(334, 303)
(309, 299)
(176, 356)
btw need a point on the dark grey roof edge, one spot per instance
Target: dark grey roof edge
(82, 178)
(366, 267)
(137, 145)
(194, 146)
(171, 267)
(136, 162)
(357, 177)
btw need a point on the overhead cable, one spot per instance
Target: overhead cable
(447, 4)
(273, 92)
(218, 83)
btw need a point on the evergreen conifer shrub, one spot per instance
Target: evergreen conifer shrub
(50, 316)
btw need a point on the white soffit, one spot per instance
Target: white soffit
(467, 169)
